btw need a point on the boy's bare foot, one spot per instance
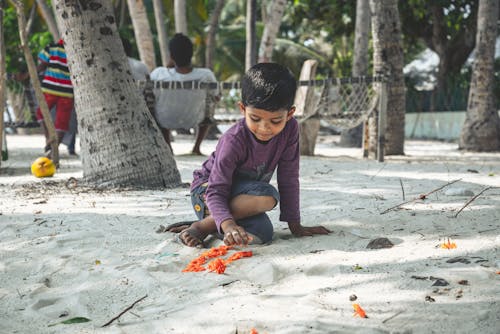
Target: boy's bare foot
(192, 237)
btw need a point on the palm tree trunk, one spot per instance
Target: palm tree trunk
(271, 29)
(251, 34)
(162, 32)
(212, 29)
(47, 119)
(49, 19)
(481, 130)
(353, 137)
(180, 17)
(120, 142)
(3, 85)
(142, 32)
(388, 58)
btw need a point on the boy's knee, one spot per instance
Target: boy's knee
(266, 203)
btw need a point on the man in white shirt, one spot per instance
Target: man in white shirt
(182, 108)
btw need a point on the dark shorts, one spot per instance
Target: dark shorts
(259, 225)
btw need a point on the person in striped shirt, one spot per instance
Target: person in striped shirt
(56, 87)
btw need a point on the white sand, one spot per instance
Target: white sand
(51, 238)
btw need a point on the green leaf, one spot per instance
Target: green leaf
(76, 320)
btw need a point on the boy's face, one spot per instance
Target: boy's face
(265, 124)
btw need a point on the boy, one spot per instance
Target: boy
(231, 192)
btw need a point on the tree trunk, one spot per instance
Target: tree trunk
(142, 33)
(388, 59)
(49, 19)
(251, 34)
(120, 142)
(3, 85)
(353, 137)
(304, 102)
(212, 29)
(180, 17)
(271, 29)
(35, 81)
(162, 32)
(481, 130)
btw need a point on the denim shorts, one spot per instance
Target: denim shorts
(259, 225)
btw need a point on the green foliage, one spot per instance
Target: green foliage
(38, 39)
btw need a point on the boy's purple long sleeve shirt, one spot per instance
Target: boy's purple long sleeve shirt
(239, 155)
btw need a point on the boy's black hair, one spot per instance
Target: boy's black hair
(268, 86)
(181, 50)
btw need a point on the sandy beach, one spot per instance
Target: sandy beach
(68, 251)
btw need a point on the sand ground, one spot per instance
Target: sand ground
(70, 252)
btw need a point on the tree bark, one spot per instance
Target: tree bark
(353, 137)
(35, 81)
(49, 19)
(162, 32)
(481, 130)
(120, 142)
(180, 17)
(142, 33)
(388, 58)
(212, 29)
(304, 102)
(271, 29)
(251, 34)
(3, 85)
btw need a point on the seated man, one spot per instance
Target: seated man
(177, 108)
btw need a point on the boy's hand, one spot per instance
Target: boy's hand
(234, 234)
(307, 231)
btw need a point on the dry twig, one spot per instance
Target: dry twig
(422, 197)
(125, 310)
(402, 189)
(471, 200)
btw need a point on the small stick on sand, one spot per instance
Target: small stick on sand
(125, 310)
(392, 316)
(471, 200)
(402, 189)
(423, 196)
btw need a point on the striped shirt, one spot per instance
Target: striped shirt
(56, 80)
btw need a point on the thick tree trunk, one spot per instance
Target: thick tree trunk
(388, 57)
(142, 33)
(49, 19)
(271, 29)
(120, 142)
(162, 32)
(212, 29)
(180, 17)
(251, 34)
(481, 130)
(353, 137)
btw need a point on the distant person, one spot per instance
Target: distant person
(181, 69)
(231, 193)
(57, 89)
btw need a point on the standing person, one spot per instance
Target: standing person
(231, 192)
(181, 69)
(57, 89)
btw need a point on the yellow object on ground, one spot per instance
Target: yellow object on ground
(43, 167)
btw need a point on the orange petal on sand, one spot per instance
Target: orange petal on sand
(217, 266)
(498, 272)
(238, 255)
(253, 331)
(448, 245)
(214, 252)
(358, 311)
